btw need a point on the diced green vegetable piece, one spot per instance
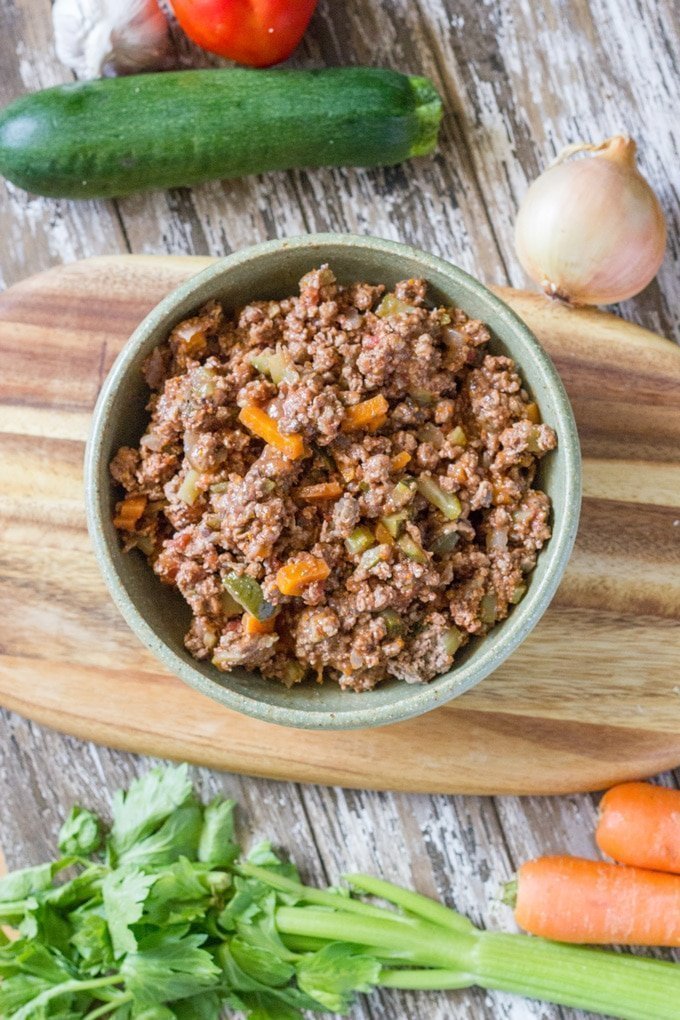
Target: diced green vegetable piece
(293, 671)
(203, 381)
(276, 364)
(518, 594)
(423, 398)
(411, 549)
(446, 540)
(533, 440)
(394, 625)
(230, 607)
(362, 538)
(429, 433)
(370, 558)
(488, 607)
(452, 640)
(392, 305)
(188, 490)
(220, 487)
(447, 502)
(404, 491)
(249, 595)
(394, 522)
(146, 544)
(457, 436)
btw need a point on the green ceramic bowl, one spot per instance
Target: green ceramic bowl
(159, 616)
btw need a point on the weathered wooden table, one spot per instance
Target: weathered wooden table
(521, 79)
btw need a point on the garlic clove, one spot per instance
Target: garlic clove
(98, 37)
(591, 231)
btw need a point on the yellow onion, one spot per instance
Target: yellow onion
(591, 231)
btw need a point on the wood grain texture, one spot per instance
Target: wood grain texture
(550, 732)
(520, 80)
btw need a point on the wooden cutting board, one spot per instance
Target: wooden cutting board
(592, 697)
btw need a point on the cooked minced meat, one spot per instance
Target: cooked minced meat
(340, 484)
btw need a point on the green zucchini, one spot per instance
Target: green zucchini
(115, 136)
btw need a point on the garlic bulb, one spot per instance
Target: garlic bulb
(103, 37)
(591, 231)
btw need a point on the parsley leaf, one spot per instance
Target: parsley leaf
(80, 834)
(150, 800)
(167, 967)
(333, 973)
(124, 892)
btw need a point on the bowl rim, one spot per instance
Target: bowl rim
(421, 698)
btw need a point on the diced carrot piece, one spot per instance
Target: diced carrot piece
(321, 492)
(376, 423)
(400, 460)
(382, 534)
(361, 415)
(294, 577)
(252, 625)
(259, 422)
(129, 512)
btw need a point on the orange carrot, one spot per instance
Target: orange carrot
(294, 577)
(382, 534)
(400, 460)
(640, 824)
(129, 511)
(360, 416)
(321, 492)
(573, 900)
(252, 625)
(259, 422)
(375, 423)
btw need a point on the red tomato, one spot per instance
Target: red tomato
(255, 32)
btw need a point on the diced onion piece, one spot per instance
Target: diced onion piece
(452, 640)
(423, 398)
(294, 577)
(362, 538)
(370, 558)
(497, 540)
(361, 415)
(411, 549)
(392, 305)
(259, 422)
(292, 672)
(445, 541)
(488, 607)
(533, 413)
(394, 625)
(146, 544)
(447, 502)
(518, 594)
(188, 491)
(457, 436)
(203, 381)
(429, 433)
(278, 365)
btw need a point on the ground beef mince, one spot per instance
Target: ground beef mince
(340, 484)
